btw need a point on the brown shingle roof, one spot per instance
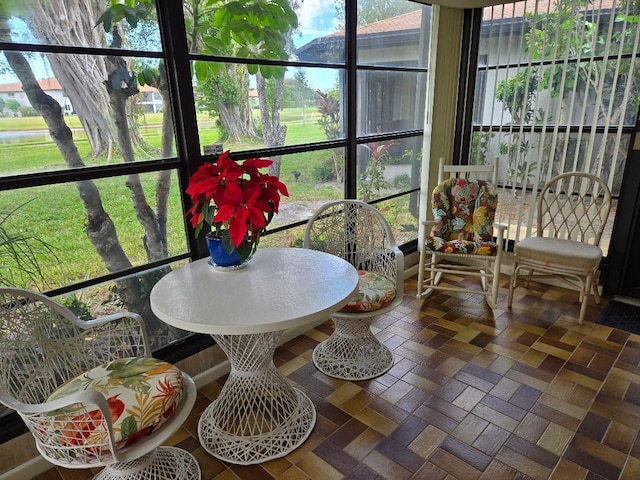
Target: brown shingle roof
(45, 83)
(406, 21)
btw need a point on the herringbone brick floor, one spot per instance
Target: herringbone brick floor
(473, 394)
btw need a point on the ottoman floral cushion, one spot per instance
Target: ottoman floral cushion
(375, 291)
(141, 393)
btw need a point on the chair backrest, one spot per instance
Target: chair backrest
(575, 206)
(455, 202)
(464, 209)
(483, 172)
(39, 350)
(43, 345)
(357, 232)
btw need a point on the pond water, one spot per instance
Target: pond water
(24, 137)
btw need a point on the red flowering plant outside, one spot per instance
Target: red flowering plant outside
(236, 199)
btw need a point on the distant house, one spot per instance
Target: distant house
(253, 97)
(386, 98)
(51, 86)
(149, 97)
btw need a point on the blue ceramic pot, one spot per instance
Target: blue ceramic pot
(219, 254)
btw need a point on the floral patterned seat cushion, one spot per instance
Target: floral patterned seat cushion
(375, 291)
(141, 393)
(464, 211)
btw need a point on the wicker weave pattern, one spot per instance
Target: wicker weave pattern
(572, 212)
(575, 207)
(43, 346)
(354, 231)
(358, 233)
(257, 416)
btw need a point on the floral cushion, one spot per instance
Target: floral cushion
(464, 211)
(141, 393)
(375, 291)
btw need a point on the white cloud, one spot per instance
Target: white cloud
(316, 17)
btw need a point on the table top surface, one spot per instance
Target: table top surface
(281, 288)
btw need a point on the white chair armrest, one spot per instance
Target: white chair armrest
(116, 336)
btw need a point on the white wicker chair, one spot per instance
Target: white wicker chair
(44, 347)
(572, 213)
(358, 233)
(475, 256)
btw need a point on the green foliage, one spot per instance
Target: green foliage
(479, 147)
(148, 76)
(329, 109)
(323, 171)
(20, 254)
(518, 94)
(219, 87)
(27, 111)
(254, 30)
(372, 179)
(132, 11)
(78, 306)
(12, 105)
(402, 181)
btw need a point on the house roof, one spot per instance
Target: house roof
(406, 21)
(47, 84)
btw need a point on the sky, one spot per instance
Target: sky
(316, 18)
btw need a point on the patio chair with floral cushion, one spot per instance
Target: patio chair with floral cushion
(460, 240)
(89, 391)
(358, 233)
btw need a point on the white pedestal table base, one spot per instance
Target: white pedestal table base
(352, 352)
(258, 416)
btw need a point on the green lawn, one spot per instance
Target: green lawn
(55, 213)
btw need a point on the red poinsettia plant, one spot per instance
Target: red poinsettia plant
(236, 199)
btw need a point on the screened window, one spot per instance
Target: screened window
(128, 102)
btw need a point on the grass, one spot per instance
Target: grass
(55, 213)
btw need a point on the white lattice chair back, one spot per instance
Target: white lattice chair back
(44, 347)
(358, 233)
(574, 206)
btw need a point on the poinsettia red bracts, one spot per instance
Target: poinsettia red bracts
(235, 196)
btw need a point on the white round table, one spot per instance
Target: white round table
(258, 415)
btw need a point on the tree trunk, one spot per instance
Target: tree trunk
(71, 22)
(163, 183)
(100, 228)
(236, 118)
(121, 85)
(273, 132)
